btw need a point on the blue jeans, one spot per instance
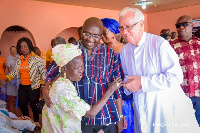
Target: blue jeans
(2, 96)
(196, 106)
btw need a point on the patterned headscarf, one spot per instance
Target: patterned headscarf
(63, 53)
(111, 24)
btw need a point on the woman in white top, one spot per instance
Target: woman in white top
(67, 109)
(10, 64)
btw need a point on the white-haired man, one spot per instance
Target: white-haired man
(153, 75)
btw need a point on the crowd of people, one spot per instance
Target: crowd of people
(150, 84)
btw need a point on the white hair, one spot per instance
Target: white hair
(138, 14)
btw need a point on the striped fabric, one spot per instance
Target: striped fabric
(36, 70)
(101, 68)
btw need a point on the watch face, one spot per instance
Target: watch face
(121, 116)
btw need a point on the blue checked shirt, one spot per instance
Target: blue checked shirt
(101, 68)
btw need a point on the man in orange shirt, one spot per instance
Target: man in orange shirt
(54, 42)
(49, 54)
(2, 75)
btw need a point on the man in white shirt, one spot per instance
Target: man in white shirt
(153, 75)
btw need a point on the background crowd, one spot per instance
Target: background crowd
(166, 91)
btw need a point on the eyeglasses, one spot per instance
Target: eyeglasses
(184, 24)
(94, 36)
(104, 33)
(127, 27)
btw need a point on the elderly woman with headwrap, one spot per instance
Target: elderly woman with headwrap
(111, 37)
(67, 109)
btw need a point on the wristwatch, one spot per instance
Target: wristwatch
(121, 116)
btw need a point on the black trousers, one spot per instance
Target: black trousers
(112, 128)
(26, 95)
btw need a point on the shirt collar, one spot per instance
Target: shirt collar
(193, 38)
(94, 49)
(142, 39)
(31, 54)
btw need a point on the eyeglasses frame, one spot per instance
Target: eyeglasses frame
(130, 27)
(92, 35)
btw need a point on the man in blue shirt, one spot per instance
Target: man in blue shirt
(100, 82)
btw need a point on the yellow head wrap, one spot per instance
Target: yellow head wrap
(63, 53)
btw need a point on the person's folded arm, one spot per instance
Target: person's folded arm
(13, 73)
(42, 71)
(51, 74)
(71, 103)
(171, 73)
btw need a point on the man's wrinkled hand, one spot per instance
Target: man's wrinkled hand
(120, 126)
(133, 83)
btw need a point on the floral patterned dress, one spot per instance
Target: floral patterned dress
(67, 109)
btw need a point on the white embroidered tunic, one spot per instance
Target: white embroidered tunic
(161, 105)
(67, 110)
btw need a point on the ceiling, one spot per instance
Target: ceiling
(156, 6)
